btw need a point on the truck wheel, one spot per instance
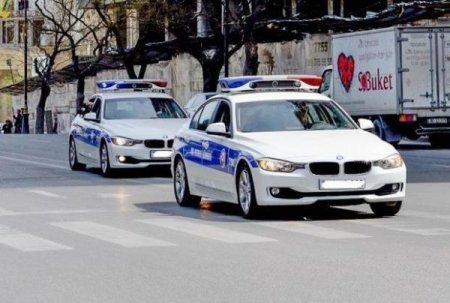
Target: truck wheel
(439, 140)
(386, 208)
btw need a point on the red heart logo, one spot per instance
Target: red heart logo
(346, 68)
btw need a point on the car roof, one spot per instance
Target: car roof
(255, 96)
(133, 94)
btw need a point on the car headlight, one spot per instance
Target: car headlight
(278, 165)
(121, 141)
(393, 161)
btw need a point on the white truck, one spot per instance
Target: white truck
(399, 77)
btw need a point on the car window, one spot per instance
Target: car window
(191, 102)
(142, 108)
(290, 115)
(326, 79)
(207, 115)
(199, 100)
(223, 115)
(194, 120)
(96, 107)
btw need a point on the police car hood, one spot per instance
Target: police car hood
(144, 128)
(320, 145)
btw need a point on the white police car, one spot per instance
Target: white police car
(267, 142)
(130, 124)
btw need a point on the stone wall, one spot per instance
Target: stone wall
(309, 56)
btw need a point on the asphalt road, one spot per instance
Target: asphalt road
(77, 237)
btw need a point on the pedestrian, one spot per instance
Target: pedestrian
(55, 125)
(7, 127)
(18, 122)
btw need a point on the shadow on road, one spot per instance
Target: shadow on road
(154, 172)
(228, 212)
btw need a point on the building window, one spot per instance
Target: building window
(8, 32)
(37, 31)
(21, 31)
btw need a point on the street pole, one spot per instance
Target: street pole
(225, 36)
(25, 124)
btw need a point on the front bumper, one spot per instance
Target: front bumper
(137, 156)
(301, 187)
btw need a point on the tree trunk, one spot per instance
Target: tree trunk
(142, 71)
(80, 92)
(40, 109)
(129, 66)
(251, 58)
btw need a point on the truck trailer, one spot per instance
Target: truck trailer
(399, 77)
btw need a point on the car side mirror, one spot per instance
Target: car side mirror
(366, 124)
(218, 129)
(91, 117)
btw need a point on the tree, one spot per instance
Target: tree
(147, 16)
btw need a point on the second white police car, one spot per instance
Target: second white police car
(266, 142)
(129, 124)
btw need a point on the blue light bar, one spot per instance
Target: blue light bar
(138, 84)
(235, 82)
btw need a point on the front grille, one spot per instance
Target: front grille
(324, 168)
(357, 167)
(170, 143)
(154, 143)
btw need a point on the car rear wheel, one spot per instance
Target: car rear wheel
(246, 193)
(386, 208)
(104, 161)
(73, 158)
(181, 186)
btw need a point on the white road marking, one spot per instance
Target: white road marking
(441, 165)
(27, 242)
(31, 156)
(113, 195)
(42, 164)
(426, 215)
(312, 230)
(46, 194)
(49, 212)
(410, 228)
(206, 230)
(111, 234)
(5, 212)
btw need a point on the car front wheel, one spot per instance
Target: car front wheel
(386, 208)
(181, 186)
(73, 158)
(104, 161)
(246, 193)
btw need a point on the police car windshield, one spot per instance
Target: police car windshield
(290, 115)
(142, 108)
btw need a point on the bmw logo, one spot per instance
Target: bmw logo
(339, 157)
(165, 137)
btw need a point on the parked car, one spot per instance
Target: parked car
(196, 101)
(130, 124)
(270, 143)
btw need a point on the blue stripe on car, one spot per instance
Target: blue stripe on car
(216, 156)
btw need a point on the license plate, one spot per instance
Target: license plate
(437, 120)
(160, 154)
(342, 184)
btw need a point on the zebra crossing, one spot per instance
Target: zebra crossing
(152, 231)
